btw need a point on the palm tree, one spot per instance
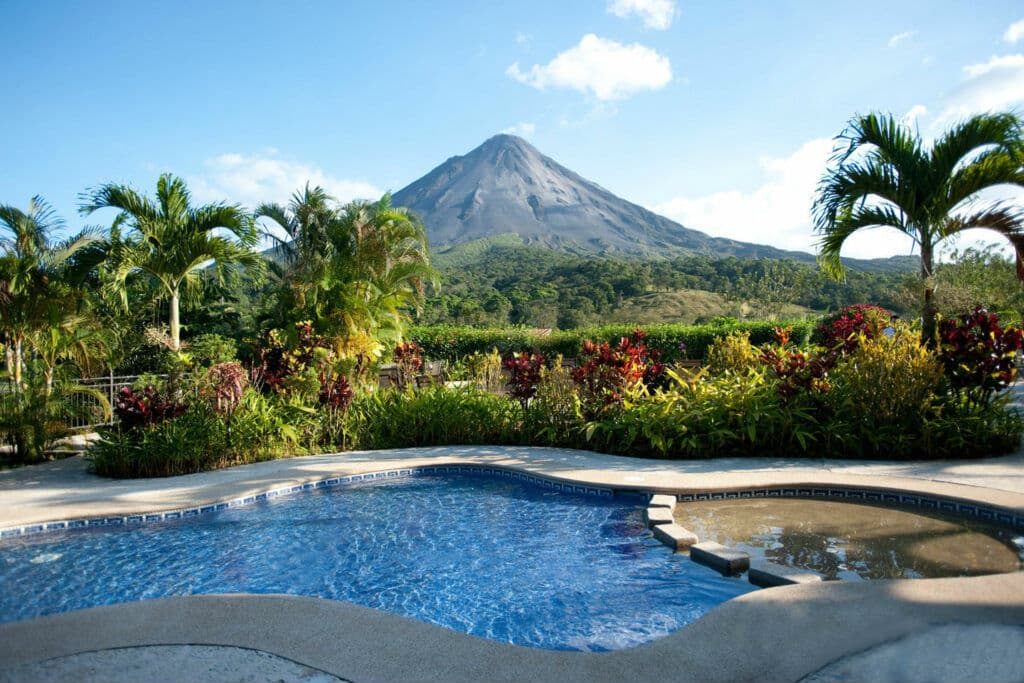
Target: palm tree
(43, 326)
(382, 252)
(36, 274)
(305, 250)
(883, 175)
(356, 270)
(170, 242)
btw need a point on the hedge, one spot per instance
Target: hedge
(454, 343)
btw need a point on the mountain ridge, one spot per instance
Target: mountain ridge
(506, 186)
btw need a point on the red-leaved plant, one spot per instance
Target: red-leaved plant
(409, 359)
(799, 372)
(840, 330)
(978, 354)
(524, 375)
(608, 371)
(226, 383)
(275, 361)
(335, 392)
(146, 408)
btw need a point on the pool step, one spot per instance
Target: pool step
(656, 516)
(768, 574)
(662, 500)
(728, 561)
(675, 536)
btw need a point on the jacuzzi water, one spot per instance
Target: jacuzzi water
(500, 559)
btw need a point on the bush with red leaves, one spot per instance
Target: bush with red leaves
(607, 372)
(409, 359)
(335, 393)
(227, 383)
(524, 375)
(978, 354)
(840, 330)
(146, 408)
(799, 372)
(275, 361)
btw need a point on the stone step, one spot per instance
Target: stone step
(675, 536)
(728, 561)
(655, 516)
(768, 574)
(662, 500)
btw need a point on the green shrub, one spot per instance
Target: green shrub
(454, 343)
(889, 380)
(708, 416)
(32, 417)
(485, 371)
(207, 350)
(197, 440)
(553, 416)
(733, 353)
(962, 428)
(434, 416)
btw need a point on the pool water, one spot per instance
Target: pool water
(500, 559)
(855, 541)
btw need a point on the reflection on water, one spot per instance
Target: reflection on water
(855, 541)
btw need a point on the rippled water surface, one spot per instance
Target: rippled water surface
(495, 558)
(853, 541)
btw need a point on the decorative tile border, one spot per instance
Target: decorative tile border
(998, 515)
(352, 480)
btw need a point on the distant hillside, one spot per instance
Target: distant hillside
(494, 282)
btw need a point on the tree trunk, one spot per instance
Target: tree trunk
(930, 310)
(19, 361)
(175, 326)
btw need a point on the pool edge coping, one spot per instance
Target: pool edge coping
(959, 499)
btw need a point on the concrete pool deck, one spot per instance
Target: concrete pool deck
(786, 633)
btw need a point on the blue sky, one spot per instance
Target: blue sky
(717, 114)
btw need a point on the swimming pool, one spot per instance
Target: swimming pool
(855, 541)
(500, 559)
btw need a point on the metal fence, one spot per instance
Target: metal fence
(91, 414)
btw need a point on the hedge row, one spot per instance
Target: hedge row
(454, 343)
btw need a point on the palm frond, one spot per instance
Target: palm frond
(850, 221)
(1004, 218)
(956, 146)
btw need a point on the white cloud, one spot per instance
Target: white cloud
(1015, 32)
(656, 14)
(603, 68)
(901, 37)
(995, 85)
(778, 212)
(914, 114)
(523, 129)
(522, 38)
(254, 179)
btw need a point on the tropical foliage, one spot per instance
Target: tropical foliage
(287, 365)
(883, 175)
(170, 241)
(355, 270)
(47, 335)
